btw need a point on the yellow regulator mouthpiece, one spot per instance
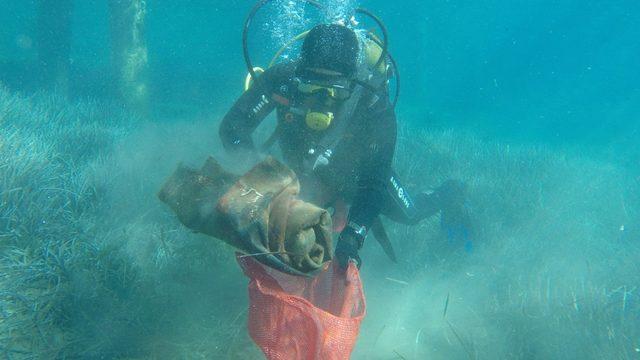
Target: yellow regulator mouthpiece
(318, 121)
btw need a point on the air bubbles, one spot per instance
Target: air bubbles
(339, 11)
(291, 17)
(289, 21)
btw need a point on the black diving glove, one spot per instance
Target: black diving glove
(349, 243)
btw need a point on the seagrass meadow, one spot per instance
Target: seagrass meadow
(93, 266)
(533, 105)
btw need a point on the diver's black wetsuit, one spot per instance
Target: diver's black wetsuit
(360, 163)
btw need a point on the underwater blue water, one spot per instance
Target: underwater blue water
(549, 71)
(543, 97)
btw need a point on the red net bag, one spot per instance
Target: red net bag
(293, 317)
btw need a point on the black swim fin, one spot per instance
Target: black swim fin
(382, 237)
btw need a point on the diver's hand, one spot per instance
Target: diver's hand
(347, 249)
(452, 198)
(455, 218)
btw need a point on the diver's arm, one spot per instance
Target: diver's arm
(368, 201)
(250, 109)
(375, 171)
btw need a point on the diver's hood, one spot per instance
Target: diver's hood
(331, 47)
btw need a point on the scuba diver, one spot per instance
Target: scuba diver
(336, 128)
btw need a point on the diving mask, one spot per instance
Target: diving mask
(322, 97)
(340, 90)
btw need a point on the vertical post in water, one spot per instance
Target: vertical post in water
(129, 52)
(53, 41)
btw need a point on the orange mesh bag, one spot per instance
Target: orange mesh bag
(294, 317)
(301, 306)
